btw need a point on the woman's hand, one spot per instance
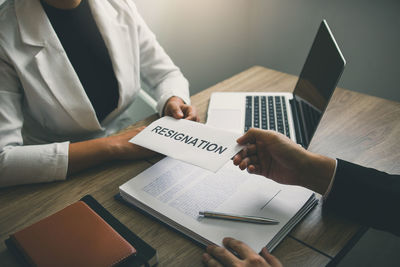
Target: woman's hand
(175, 107)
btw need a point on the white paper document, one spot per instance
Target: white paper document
(195, 143)
(174, 192)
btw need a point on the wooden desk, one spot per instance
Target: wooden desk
(355, 127)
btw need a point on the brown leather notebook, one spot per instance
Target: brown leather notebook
(74, 236)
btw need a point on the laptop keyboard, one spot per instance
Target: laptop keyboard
(267, 112)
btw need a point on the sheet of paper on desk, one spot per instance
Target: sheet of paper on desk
(201, 145)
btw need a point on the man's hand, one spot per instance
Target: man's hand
(175, 107)
(219, 256)
(270, 154)
(275, 156)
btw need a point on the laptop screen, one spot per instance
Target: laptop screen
(317, 81)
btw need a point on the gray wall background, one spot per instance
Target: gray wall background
(211, 40)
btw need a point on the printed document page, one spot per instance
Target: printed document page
(175, 192)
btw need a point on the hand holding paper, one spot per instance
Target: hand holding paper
(201, 145)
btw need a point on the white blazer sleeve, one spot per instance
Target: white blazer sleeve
(157, 69)
(20, 164)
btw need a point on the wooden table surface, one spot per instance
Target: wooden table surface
(356, 127)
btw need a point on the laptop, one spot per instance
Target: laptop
(296, 114)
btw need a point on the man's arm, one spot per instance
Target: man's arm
(366, 195)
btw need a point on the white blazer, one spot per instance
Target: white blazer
(43, 105)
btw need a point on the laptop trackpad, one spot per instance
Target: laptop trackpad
(229, 119)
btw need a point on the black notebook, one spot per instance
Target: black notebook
(145, 254)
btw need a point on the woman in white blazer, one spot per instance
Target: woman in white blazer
(48, 126)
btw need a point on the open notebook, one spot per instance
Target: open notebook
(174, 192)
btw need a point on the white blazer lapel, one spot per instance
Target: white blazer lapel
(118, 41)
(53, 63)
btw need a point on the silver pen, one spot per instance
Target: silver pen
(234, 217)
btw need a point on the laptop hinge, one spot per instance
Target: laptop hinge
(298, 125)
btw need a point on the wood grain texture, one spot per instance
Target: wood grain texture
(325, 231)
(355, 127)
(24, 205)
(360, 129)
(293, 253)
